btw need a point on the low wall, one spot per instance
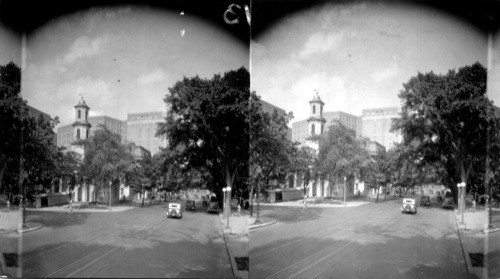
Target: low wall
(50, 200)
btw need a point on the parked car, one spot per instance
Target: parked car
(213, 205)
(190, 205)
(174, 210)
(409, 206)
(448, 200)
(425, 201)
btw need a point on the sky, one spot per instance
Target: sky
(10, 46)
(121, 60)
(357, 56)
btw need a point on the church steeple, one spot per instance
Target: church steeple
(81, 125)
(316, 122)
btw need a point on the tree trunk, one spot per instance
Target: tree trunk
(3, 166)
(142, 193)
(251, 197)
(258, 203)
(322, 182)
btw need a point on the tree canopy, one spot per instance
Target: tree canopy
(270, 150)
(207, 128)
(23, 135)
(303, 160)
(445, 119)
(341, 155)
(106, 160)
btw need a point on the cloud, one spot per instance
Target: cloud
(320, 43)
(331, 89)
(152, 77)
(96, 92)
(85, 47)
(386, 73)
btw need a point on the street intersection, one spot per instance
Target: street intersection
(369, 241)
(139, 242)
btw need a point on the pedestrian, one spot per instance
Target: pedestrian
(239, 210)
(305, 203)
(473, 205)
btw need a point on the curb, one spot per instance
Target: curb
(250, 227)
(487, 231)
(234, 267)
(317, 205)
(36, 226)
(75, 210)
(468, 264)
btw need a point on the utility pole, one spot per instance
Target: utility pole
(257, 221)
(21, 177)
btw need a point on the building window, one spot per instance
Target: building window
(79, 114)
(312, 129)
(78, 132)
(314, 109)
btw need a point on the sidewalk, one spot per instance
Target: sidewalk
(77, 209)
(315, 203)
(481, 246)
(236, 237)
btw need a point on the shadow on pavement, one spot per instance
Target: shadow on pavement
(183, 259)
(56, 219)
(366, 257)
(291, 214)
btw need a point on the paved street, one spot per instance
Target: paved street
(369, 241)
(139, 242)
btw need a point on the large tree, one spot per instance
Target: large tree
(304, 161)
(106, 162)
(445, 119)
(270, 149)
(207, 128)
(68, 170)
(341, 155)
(23, 135)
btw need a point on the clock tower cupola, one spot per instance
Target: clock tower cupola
(81, 126)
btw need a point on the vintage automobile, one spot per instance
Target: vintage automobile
(448, 200)
(174, 210)
(190, 205)
(425, 201)
(409, 206)
(213, 205)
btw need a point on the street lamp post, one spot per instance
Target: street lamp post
(228, 207)
(224, 202)
(461, 188)
(490, 211)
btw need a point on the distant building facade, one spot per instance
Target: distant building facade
(376, 125)
(112, 124)
(66, 133)
(303, 129)
(141, 130)
(269, 108)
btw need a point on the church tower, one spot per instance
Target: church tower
(81, 126)
(316, 122)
